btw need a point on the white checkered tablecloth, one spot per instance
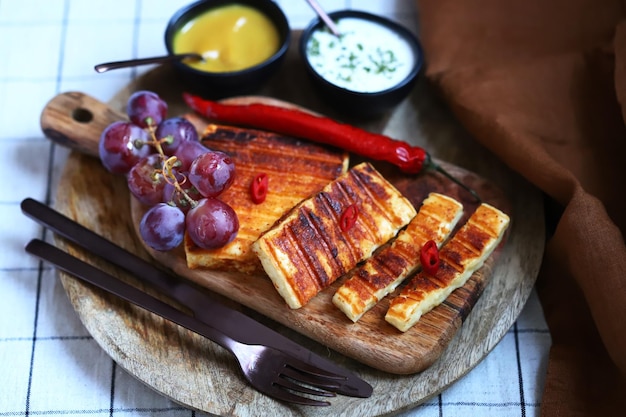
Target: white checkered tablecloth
(49, 364)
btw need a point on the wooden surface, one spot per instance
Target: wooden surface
(200, 375)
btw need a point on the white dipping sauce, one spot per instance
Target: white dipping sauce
(368, 57)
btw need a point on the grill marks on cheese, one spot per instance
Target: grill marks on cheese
(386, 269)
(307, 250)
(296, 170)
(460, 257)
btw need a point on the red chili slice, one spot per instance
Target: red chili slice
(258, 188)
(348, 217)
(429, 256)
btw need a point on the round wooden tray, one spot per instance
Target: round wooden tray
(200, 375)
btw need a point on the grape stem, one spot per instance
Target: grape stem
(168, 165)
(155, 141)
(170, 177)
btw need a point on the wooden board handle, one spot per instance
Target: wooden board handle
(76, 120)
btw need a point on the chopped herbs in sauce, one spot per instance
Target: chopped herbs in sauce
(366, 57)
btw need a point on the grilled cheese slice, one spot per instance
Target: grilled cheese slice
(308, 250)
(296, 169)
(460, 257)
(383, 272)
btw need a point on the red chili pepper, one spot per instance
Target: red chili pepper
(258, 188)
(348, 217)
(297, 123)
(429, 257)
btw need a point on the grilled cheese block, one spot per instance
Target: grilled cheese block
(460, 257)
(296, 169)
(308, 250)
(383, 272)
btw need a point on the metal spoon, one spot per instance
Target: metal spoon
(145, 61)
(322, 14)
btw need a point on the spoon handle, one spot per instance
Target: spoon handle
(143, 61)
(322, 14)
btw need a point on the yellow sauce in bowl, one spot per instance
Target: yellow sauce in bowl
(230, 38)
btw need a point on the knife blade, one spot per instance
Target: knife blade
(204, 306)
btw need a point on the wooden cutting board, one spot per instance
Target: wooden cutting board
(371, 340)
(194, 372)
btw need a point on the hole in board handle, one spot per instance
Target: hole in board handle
(82, 115)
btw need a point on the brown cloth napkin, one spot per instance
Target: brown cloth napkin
(542, 84)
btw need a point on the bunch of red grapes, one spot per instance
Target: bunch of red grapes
(170, 170)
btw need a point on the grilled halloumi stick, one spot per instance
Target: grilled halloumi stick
(383, 272)
(308, 250)
(460, 257)
(296, 169)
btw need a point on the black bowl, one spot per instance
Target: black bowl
(358, 103)
(225, 84)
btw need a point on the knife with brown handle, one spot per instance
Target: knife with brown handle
(203, 306)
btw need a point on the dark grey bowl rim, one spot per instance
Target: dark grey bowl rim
(397, 27)
(186, 13)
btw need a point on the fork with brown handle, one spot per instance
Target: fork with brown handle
(291, 364)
